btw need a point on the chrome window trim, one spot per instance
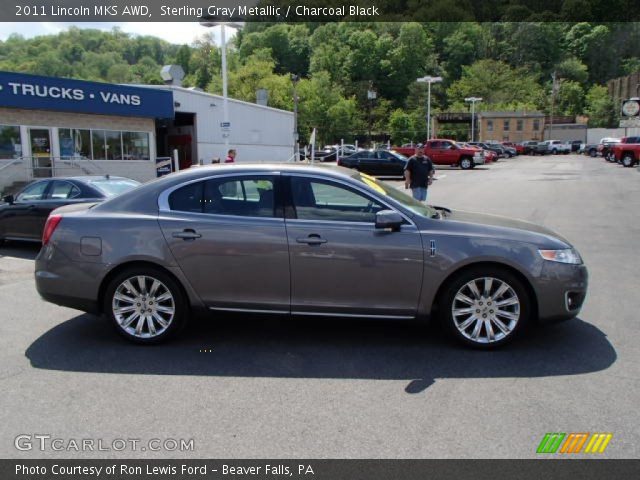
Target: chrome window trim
(163, 198)
(219, 217)
(353, 185)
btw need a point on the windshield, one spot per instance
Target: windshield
(112, 187)
(388, 191)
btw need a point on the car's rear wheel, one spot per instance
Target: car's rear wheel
(485, 307)
(628, 160)
(593, 152)
(466, 163)
(145, 305)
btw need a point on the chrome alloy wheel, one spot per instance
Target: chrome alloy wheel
(143, 306)
(486, 310)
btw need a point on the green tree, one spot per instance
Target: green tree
(401, 127)
(571, 97)
(498, 84)
(600, 108)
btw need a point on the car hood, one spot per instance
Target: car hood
(511, 228)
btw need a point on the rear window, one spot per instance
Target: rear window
(114, 186)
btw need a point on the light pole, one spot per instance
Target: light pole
(554, 91)
(473, 101)
(225, 126)
(429, 80)
(296, 145)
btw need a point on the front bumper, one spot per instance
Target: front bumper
(561, 291)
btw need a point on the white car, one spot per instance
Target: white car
(558, 146)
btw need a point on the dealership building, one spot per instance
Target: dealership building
(62, 127)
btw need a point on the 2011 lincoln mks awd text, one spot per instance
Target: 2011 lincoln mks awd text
(302, 240)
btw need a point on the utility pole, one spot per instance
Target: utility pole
(473, 101)
(554, 91)
(429, 80)
(371, 96)
(296, 144)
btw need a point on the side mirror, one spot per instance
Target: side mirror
(8, 199)
(388, 219)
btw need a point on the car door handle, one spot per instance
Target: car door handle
(187, 234)
(312, 239)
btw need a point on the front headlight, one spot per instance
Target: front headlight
(568, 255)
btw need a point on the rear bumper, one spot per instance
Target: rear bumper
(67, 283)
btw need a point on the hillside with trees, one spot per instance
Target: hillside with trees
(509, 65)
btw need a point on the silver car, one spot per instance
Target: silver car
(302, 240)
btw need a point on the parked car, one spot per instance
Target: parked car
(326, 154)
(489, 156)
(346, 149)
(306, 240)
(509, 151)
(576, 145)
(23, 216)
(494, 147)
(627, 152)
(513, 148)
(605, 146)
(558, 146)
(376, 162)
(535, 148)
(447, 152)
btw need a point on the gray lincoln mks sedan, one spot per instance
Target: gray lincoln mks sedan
(302, 240)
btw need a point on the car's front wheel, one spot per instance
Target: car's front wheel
(466, 163)
(485, 307)
(628, 160)
(145, 305)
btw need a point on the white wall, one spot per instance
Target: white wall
(258, 133)
(595, 134)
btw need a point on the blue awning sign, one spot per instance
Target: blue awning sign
(19, 90)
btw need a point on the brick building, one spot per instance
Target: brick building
(510, 126)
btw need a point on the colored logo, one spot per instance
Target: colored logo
(574, 443)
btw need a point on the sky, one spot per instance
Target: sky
(178, 32)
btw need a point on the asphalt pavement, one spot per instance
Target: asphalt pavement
(259, 387)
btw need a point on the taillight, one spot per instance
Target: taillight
(50, 227)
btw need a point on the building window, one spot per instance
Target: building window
(489, 125)
(536, 125)
(112, 145)
(74, 143)
(10, 145)
(520, 125)
(506, 126)
(135, 146)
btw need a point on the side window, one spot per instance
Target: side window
(324, 200)
(32, 192)
(247, 196)
(187, 198)
(63, 190)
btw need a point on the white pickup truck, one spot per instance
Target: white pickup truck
(558, 146)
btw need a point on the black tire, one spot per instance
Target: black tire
(499, 276)
(593, 152)
(628, 160)
(466, 163)
(178, 303)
